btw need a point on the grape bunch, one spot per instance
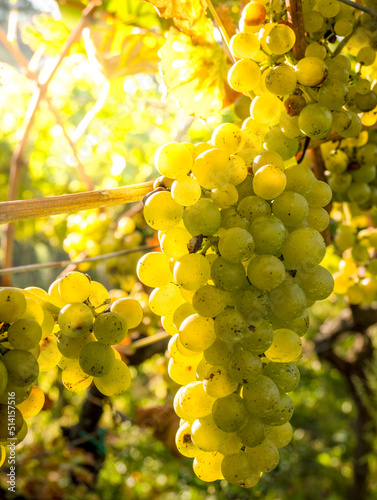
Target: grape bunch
(356, 277)
(73, 326)
(240, 263)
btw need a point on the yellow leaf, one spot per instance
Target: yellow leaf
(195, 75)
(123, 52)
(189, 10)
(200, 32)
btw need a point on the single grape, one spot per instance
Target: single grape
(110, 328)
(96, 359)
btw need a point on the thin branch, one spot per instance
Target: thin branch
(151, 339)
(63, 263)
(17, 161)
(15, 52)
(296, 19)
(358, 6)
(85, 179)
(12, 211)
(221, 28)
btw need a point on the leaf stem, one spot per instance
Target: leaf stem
(221, 28)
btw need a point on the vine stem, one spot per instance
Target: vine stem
(358, 6)
(152, 339)
(296, 19)
(13, 211)
(221, 27)
(63, 263)
(17, 160)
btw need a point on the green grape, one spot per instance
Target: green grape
(193, 400)
(291, 208)
(33, 311)
(303, 248)
(253, 433)
(192, 271)
(225, 197)
(366, 56)
(276, 140)
(266, 108)
(207, 466)
(332, 94)
(74, 287)
(265, 272)
(244, 45)
(174, 242)
(259, 338)
(96, 359)
(218, 353)
(98, 297)
(244, 366)
(343, 27)
(74, 378)
(281, 413)
(238, 469)
(202, 369)
(209, 301)
(183, 441)
(315, 49)
(289, 125)
(182, 312)
(238, 169)
(229, 413)
(227, 136)
(12, 305)
(311, 71)
(231, 218)
(161, 211)
(22, 367)
(288, 300)
(153, 269)
(244, 75)
(313, 21)
(261, 396)
(316, 282)
(252, 207)
(268, 158)
(218, 382)
(17, 422)
(177, 350)
(49, 355)
(328, 8)
(33, 404)
(253, 304)
(165, 300)
(183, 371)
(320, 196)
(253, 15)
(202, 218)
(116, 381)
(318, 218)
(129, 308)
(110, 328)
(229, 276)
(173, 160)
(281, 80)
(286, 346)
(315, 121)
(75, 319)
(231, 444)
(359, 192)
(24, 334)
(3, 378)
(242, 106)
(269, 234)
(285, 375)
(71, 347)
(280, 435)
(197, 333)
(236, 245)
(230, 326)
(212, 169)
(264, 457)
(186, 190)
(48, 324)
(346, 128)
(206, 435)
(269, 182)
(281, 39)
(300, 179)
(54, 296)
(18, 394)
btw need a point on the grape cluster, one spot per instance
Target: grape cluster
(72, 326)
(356, 277)
(240, 263)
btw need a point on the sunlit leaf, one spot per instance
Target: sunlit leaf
(189, 10)
(200, 32)
(227, 19)
(123, 52)
(45, 31)
(195, 75)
